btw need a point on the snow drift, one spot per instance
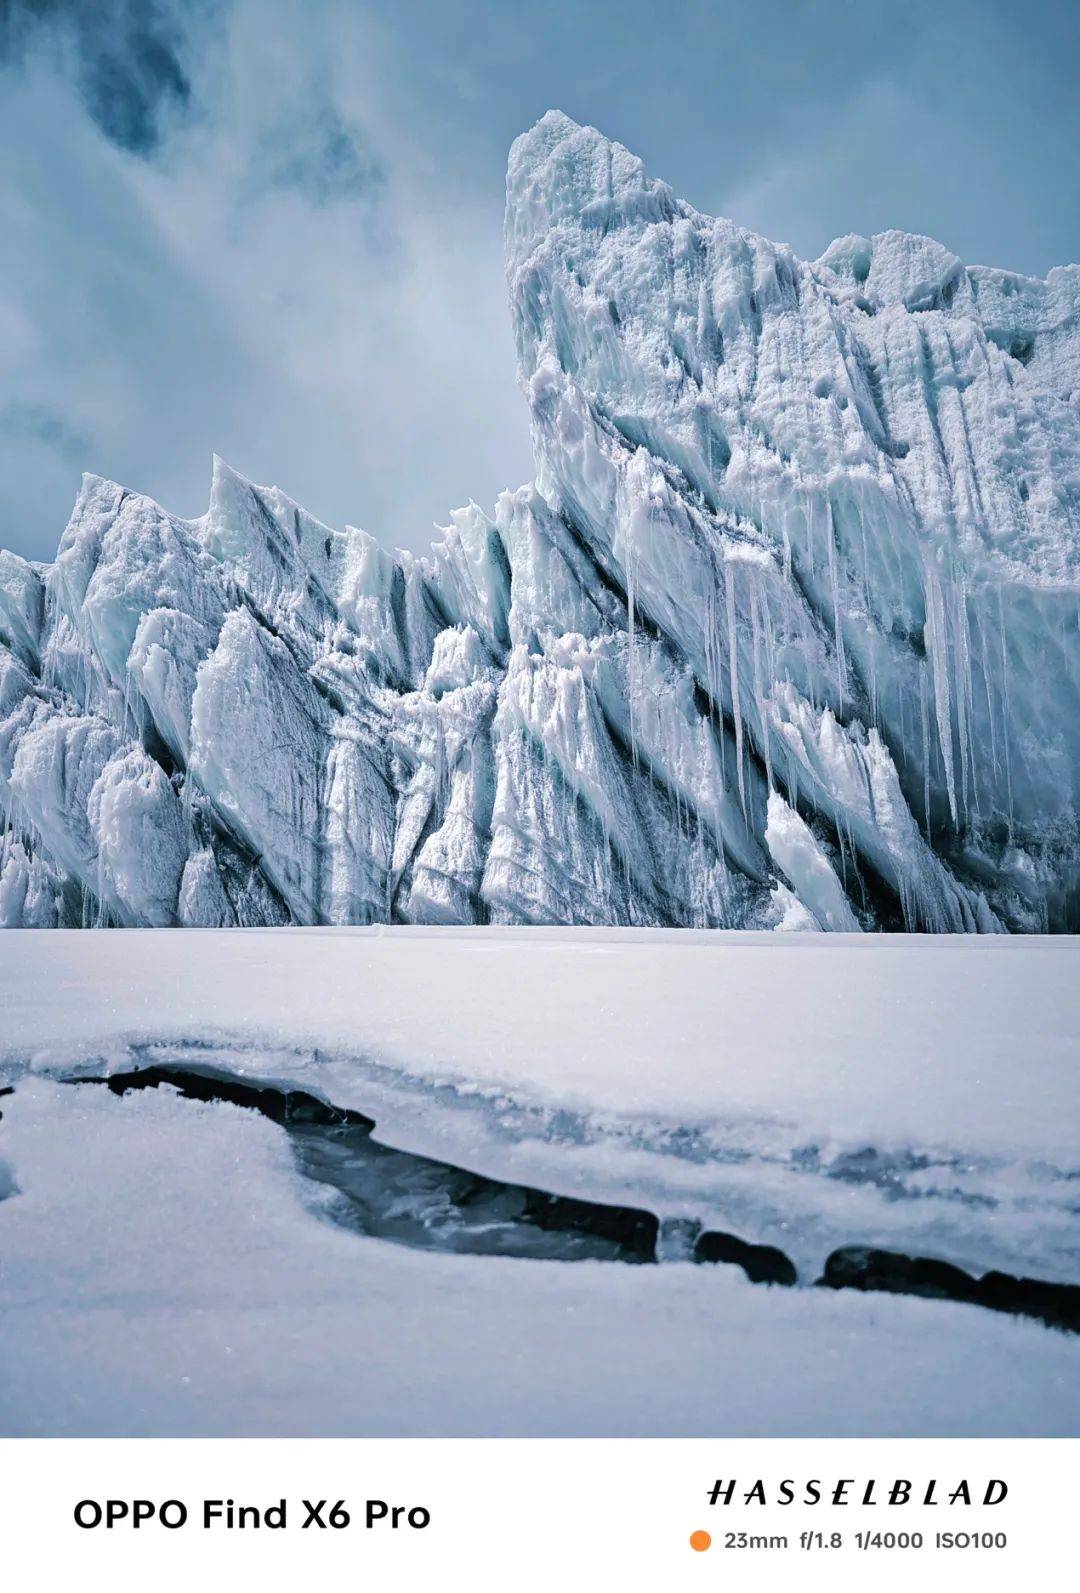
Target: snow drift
(785, 633)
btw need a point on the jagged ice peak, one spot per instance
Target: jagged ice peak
(784, 634)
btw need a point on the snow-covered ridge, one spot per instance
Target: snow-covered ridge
(786, 632)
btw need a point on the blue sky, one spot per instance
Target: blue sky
(273, 229)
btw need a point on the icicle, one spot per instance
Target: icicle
(714, 677)
(964, 636)
(843, 852)
(964, 698)
(984, 667)
(925, 718)
(865, 547)
(787, 545)
(733, 675)
(841, 663)
(708, 627)
(131, 728)
(939, 662)
(769, 634)
(759, 696)
(1005, 707)
(901, 752)
(631, 650)
(961, 714)
(100, 862)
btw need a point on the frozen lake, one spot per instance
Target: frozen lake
(913, 1094)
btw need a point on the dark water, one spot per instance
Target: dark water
(433, 1205)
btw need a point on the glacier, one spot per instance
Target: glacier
(784, 634)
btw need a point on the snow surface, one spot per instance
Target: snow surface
(801, 533)
(166, 1272)
(804, 1091)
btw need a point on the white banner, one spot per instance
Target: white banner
(523, 1514)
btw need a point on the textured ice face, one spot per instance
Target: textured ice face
(785, 632)
(870, 462)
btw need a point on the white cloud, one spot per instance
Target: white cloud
(348, 341)
(288, 246)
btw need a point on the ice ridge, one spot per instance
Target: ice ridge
(786, 632)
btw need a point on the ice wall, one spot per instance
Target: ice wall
(786, 631)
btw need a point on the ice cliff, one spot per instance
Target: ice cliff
(785, 633)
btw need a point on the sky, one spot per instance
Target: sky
(271, 229)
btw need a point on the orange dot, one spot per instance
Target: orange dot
(700, 1541)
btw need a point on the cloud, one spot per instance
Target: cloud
(319, 154)
(272, 228)
(128, 59)
(40, 424)
(287, 279)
